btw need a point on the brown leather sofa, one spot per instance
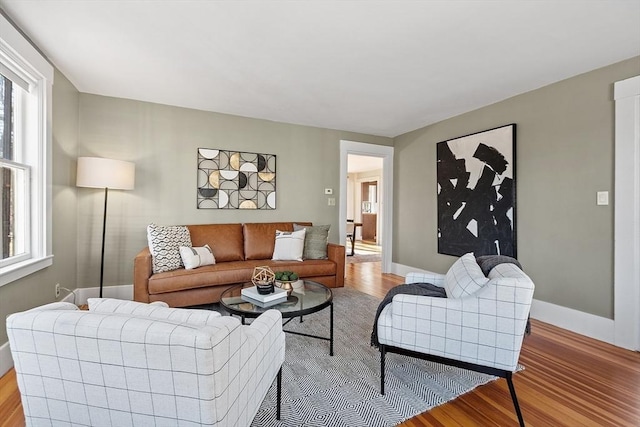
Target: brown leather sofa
(237, 248)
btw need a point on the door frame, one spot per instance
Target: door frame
(627, 214)
(386, 201)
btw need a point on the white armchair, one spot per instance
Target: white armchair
(480, 327)
(124, 363)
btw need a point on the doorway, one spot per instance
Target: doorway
(376, 184)
(364, 216)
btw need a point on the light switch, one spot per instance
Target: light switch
(602, 198)
(328, 191)
(331, 201)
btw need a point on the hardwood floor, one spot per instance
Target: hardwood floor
(569, 380)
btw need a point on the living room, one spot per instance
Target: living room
(565, 154)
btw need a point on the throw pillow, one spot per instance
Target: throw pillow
(164, 244)
(155, 311)
(289, 245)
(315, 240)
(464, 277)
(196, 257)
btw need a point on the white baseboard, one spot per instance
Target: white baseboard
(403, 270)
(118, 292)
(582, 323)
(6, 361)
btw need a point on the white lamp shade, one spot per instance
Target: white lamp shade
(96, 172)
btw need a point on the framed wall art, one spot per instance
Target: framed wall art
(477, 193)
(236, 180)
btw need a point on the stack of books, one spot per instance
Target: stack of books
(251, 295)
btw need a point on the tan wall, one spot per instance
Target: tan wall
(38, 288)
(564, 155)
(163, 142)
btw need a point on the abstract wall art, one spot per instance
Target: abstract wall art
(477, 193)
(236, 180)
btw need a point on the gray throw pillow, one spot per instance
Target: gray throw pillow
(315, 240)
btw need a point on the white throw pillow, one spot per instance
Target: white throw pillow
(464, 278)
(164, 245)
(193, 317)
(289, 245)
(196, 257)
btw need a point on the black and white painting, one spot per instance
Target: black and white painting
(477, 193)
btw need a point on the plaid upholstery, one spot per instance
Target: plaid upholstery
(87, 368)
(153, 310)
(426, 277)
(464, 277)
(485, 328)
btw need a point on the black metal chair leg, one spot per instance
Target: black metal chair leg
(512, 390)
(383, 353)
(279, 392)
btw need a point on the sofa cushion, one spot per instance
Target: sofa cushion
(289, 245)
(194, 257)
(464, 277)
(164, 243)
(259, 238)
(182, 315)
(225, 240)
(315, 240)
(228, 273)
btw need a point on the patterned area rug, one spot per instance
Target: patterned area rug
(344, 390)
(364, 252)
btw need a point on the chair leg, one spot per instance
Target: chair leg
(512, 390)
(383, 353)
(279, 392)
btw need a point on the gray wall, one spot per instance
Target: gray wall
(564, 155)
(163, 142)
(38, 288)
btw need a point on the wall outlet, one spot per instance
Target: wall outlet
(331, 201)
(57, 290)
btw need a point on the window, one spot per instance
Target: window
(25, 142)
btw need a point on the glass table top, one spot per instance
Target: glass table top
(307, 297)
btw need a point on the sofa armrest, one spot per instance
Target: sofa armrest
(426, 277)
(142, 270)
(337, 254)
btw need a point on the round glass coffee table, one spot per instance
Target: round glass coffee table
(307, 297)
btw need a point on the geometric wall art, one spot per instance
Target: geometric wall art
(236, 180)
(477, 193)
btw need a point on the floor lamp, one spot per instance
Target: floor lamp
(96, 172)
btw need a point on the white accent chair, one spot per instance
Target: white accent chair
(480, 329)
(124, 363)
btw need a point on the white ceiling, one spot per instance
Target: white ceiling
(377, 67)
(357, 163)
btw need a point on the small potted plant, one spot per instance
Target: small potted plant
(285, 280)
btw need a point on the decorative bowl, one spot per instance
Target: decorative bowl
(286, 285)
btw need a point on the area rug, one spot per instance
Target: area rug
(344, 390)
(365, 252)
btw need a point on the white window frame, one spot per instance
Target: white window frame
(31, 71)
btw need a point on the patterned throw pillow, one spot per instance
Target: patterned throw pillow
(289, 245)
(315, 240)
(464, 277)
(196, 257)
(164, 244)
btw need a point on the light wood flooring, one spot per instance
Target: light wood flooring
(569, 380)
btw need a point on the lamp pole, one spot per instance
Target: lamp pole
(104, 229)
